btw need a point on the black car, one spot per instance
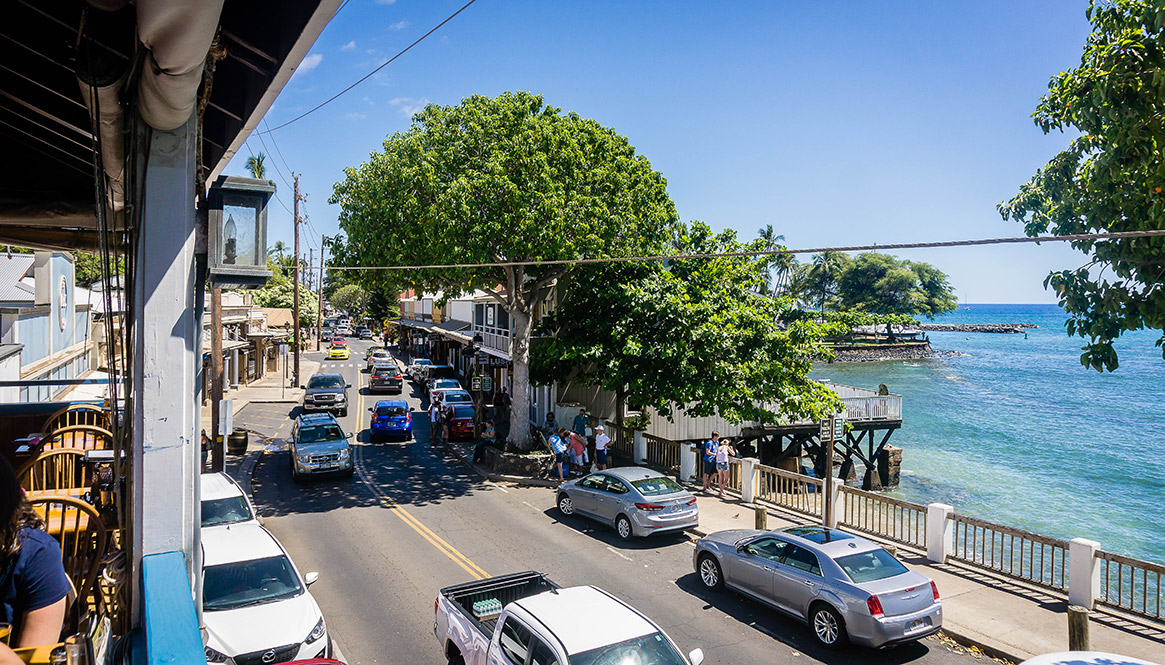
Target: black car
(386, 378)
(326, 392)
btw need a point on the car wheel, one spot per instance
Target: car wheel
(623, 527)
(710, 573)
(828, 627)
(565, 505)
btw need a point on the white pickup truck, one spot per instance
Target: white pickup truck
(525, 619)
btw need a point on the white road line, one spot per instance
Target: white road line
(531, 505)
(619, 554)
(504, 490)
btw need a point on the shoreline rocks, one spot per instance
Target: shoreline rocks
(1010, 328)
(888, 352)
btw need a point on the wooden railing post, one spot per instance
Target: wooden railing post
(1078, 639)
(761, 518)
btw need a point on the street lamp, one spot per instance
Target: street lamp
(237, 234)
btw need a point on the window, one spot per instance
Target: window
(326, 382)
(768, 548)
(390, 411)
(318, 433)
(653, 648)
(229, 510)
(593, 482)
(514, 641)
(872, 565)
(802, 559)
(657, 486)
(232, 585)
(616, 486)
(542, 654)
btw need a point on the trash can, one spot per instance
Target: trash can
(237, 442)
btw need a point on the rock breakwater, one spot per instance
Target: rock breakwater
(1012, 328)
(885, 352)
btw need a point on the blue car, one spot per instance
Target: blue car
(390, 417)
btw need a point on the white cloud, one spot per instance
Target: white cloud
(409, 106)
(355, 116)
(399, 25)
(368, 101)
(350, 46)
(309, 63)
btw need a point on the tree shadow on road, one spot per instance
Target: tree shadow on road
(793, 633)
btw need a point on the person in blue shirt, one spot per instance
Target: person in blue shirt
(557, 446)
(710, 447)
(33, 583)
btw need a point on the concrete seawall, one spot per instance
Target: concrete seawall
(1012, 328)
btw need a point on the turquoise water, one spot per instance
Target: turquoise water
(1018, 432)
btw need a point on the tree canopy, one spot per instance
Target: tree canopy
(1110, 178)
(279, 291)
(692, 334)
(497, 180)
(883, 284)
(353, 300)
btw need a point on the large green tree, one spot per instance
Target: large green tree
(1110, 178)
(883, 284)
(692, 334)
(496, 181)
(279, 291)
(353, 300)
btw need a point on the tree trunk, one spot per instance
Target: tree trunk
(519, 436)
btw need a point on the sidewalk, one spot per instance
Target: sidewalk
(1002, 617)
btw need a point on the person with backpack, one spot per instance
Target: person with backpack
(556, 444)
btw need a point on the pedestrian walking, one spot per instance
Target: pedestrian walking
(434, 422)
(710, 447)
(723, 451)
(557, 447)
(578, 457)
(502, 406)
(602, 442)
(206, 446)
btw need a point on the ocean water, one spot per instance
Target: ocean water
(1018, 432)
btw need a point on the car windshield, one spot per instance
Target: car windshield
(326, 382)
(318, 433)
(230, 510)
(868, 566)
(233, 585)
(423, 362)
(653, 649)
(657, 486)
(463, 412)
(384, 371)
(457, 397)
(380, 353)
(390, 411)
(445, 383)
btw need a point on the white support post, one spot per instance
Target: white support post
(639, 446)
(1083, 572)
(167, 348)
(940, 532)
(688, 458)
(748, 479)
(833, 488)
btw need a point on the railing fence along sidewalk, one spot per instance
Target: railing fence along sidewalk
(789, 490)
(662, 453)
(1131, 585)
(1027, 556)
(894, 519)
(622, 442)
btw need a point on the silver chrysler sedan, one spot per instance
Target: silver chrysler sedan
(844, 586)
(636, 501)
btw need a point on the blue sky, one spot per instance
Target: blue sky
(836, 122)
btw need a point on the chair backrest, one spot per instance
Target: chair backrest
(76, 414)
(77, 526)
(59, 469)
(82, 437)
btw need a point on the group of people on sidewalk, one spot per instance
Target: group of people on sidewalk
(716, 453)
(569, 446)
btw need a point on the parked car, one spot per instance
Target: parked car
(379, 356)
(386, 378)
(634, 500)
(416, 369)
(338, 353)
(453, 397)
(461, 422)
(434, 372)
(318, 445)
(442, 385)
(326, 392)
(847, 588)
(544, 623)
(366, 333)
(223, 501)
(327, 333)
(254, 601)
(390, 417)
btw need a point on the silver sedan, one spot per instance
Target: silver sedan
(636, 501)
(844, 586)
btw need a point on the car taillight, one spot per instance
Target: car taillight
(375, 418)
(875, 606)
(436, 602)
(934, 588)
(648, 506)
(692, 502)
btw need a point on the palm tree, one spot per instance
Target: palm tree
(279, 248)
(779, 266)
(256, 167)
(826, 269)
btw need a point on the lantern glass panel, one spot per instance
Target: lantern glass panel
(240, 232)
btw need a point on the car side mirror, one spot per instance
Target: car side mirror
(696, 656)
(348, 435)
(311, 578)
(371, 409)
(347, 385)
(303, 387)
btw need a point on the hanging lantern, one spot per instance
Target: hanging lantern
(237, 237)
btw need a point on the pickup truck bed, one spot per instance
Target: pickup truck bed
(504, 589)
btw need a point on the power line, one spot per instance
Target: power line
(1118, 235)
(273, 142)
(371, 73)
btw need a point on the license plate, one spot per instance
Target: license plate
(327, 467)
(917, 625)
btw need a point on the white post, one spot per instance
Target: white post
(833, 488)
(748, 479)
(940, 532)
(639, 446)
(1083, 572)
(688, 459)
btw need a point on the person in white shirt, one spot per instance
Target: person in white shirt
(602, 442)
(434, 422)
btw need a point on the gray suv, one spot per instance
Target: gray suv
(318, 445)
(326, 392)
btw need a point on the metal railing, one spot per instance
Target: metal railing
(621, 441)
(662, 453)
(789, 490)
(873, 408)
(1012, 552)
(1131, 585)
(893, 519)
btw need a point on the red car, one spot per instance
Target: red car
(461, 423)
(339, 341)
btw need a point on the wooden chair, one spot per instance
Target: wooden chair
(78, 528)
(82, 437)
(76, 414)
(62, 471)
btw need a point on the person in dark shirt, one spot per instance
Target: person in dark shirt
(33, 583)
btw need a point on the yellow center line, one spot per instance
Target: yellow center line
(396, 509)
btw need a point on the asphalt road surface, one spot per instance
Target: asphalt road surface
(413, 520)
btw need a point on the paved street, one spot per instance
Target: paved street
(413, 520)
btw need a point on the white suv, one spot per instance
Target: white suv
(256, 607)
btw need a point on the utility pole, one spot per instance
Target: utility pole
(320, 309)
(295, 304)
(217, 461)
(308, 277)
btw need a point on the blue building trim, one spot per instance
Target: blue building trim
(168, 615)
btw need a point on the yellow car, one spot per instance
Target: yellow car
(338, 353)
